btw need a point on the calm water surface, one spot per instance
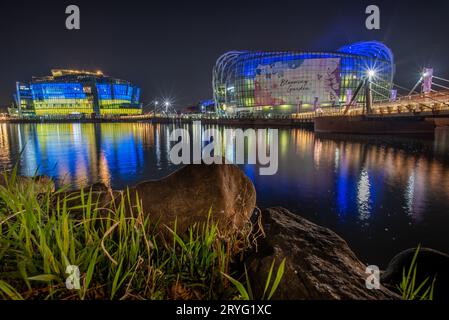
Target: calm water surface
(381, 194)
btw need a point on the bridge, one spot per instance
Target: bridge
(431, 102)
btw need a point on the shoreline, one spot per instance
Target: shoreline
(256, 123)
(240, 122)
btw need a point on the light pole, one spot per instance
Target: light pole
(156, 103)
(368, 90)
(167, 105)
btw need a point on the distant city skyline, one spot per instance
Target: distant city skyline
(169, 48)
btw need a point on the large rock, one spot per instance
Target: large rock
(319, 264)
(430, 263)
(189, 193)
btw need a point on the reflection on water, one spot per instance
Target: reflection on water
(382, 194)
(80, 154)
(364, 196)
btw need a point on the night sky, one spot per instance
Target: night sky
(169, 48)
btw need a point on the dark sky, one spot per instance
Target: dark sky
(169, 48)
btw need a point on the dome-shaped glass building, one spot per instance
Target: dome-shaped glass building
(291, 82)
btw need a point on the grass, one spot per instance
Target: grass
(246, 291)
(119, 256)
(410, 289)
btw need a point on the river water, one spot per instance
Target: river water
(381, 194)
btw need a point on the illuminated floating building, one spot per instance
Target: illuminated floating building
(292, 82)
(69, 92)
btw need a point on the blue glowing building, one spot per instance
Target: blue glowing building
(68, 92)
(292, 82)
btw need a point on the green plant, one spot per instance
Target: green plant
(408, 287)
(246, 292)
(120, 253)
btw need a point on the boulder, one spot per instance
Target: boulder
(319, 263)
(188, 194)
(430, 263)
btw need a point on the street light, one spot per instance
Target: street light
(167, 104)
(155, 103)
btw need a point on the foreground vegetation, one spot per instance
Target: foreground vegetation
(119, 256)
(409, 288)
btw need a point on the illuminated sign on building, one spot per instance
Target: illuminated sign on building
(306, 81)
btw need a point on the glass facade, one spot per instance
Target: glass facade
(23, 98)
(113, 98)
(60, 98)
(290, 82)
(77, 92)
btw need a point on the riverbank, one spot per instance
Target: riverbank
(76, 120)
(188, 250)
(330, 125)
(244, 121)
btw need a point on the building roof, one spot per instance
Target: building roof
(65, 72)
(372, 49)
